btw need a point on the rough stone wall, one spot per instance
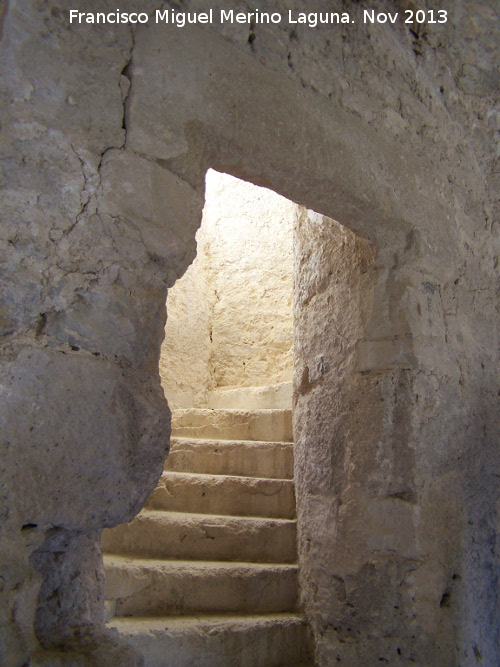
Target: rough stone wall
(230, 318)
(396, 457)
(394, 132)
(185, 352)
(86, 259)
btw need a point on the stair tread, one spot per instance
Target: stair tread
(225, 443)
(252, 425)
(182, 565)
(199, 517)
(224, 494)
(178, 621)
(185, 608)
(225, 639)
(153, 587)
(237, 478)
(240, 458)
(182, 535)
(240, 411)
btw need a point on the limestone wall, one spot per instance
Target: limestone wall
(230, 321)
(186, 349)
(393, 130)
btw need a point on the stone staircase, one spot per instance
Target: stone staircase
(206, 574)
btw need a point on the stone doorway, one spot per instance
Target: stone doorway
(275, 297)
(209, 566)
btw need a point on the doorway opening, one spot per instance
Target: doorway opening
(213, 554)
(221, 545)
(229, 333)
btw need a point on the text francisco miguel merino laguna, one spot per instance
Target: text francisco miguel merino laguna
(312, 19)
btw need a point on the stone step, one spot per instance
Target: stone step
(147, 587)
(157, 534)
(224, 494)
(276, 396)
(231, 457)
(270, 640)
(263, 425)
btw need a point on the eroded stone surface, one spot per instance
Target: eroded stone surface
(170, 587)
(381, 502)
(160, 534)
(273, 397)
(390, 131)
(231, 457)
(274, 425)
(247, 640)
(223, 494)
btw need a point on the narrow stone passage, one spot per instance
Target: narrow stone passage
(206, 574)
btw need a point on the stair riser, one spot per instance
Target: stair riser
(243, 540)
(273, 460)
(264, 425)
(230, 496)
(270, 644)
(155, 592)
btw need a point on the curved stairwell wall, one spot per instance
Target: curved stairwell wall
(229, 333)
